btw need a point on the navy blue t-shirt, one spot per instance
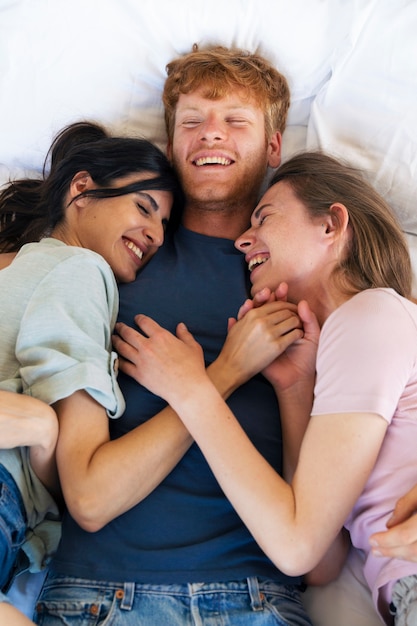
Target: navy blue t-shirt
(185, 530)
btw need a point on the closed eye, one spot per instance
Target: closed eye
(143, 209)
(262, 218)
(234, 121)
(191, 123)
(146, 203)
(260, 214)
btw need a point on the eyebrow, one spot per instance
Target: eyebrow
(152, 201)
(232, 108)
(259, 209)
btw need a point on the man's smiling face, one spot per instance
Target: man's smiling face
(219, 148)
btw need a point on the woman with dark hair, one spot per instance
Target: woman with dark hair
(94, 220)
(321, 238)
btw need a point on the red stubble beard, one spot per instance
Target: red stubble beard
(219, 188)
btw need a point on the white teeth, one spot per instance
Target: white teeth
(134, 249)
(213, 160)
(257, 260)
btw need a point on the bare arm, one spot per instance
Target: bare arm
(26, 421)
(88, 460)
(293, 376)
(13, 617)
(307, 515)
(331, 564)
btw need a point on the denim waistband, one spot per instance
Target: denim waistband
(264, 600)
(251, 584)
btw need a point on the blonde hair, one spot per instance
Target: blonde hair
(377, 255)
(220, 70)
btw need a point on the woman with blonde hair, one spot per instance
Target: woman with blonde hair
(321, 237)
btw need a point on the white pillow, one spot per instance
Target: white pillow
(64, 61)
(367, 111)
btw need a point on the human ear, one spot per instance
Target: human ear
(274, 150)
(336, 222)
(80, 183)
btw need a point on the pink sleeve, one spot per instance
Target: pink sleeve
(367, 353)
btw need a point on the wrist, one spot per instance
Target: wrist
(226, 379)
(192, 402)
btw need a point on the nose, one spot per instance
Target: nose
(212, 129)
(154, 234)
(245, 240)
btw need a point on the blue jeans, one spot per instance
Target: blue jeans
(12, 526)
(77, 602)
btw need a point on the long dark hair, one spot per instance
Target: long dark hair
(31, 208)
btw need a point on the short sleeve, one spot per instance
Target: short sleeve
(64, 342)
(366, 356)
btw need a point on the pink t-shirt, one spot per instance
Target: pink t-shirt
(367, 362)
